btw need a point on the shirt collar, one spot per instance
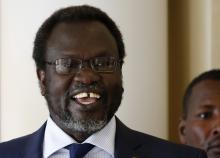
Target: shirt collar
(55, 138)
(105, 138)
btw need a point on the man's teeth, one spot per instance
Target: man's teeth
(85, 95)
(81, 95)
(94, 95)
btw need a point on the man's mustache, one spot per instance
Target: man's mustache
(93, 85)
(82, 87)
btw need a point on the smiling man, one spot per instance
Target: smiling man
(79, 53)
(200, 124)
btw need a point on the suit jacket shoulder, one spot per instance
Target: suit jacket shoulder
(131, 143)
(30, 146)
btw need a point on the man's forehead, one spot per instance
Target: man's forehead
(79, 29)
(82, 37)
(206, 87)
(206, 92)
(76, 26)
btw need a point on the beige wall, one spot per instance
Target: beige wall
(0, 56)
(216, 34)
(144, 26)
(199, 36)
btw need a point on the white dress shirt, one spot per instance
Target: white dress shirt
(55, 139)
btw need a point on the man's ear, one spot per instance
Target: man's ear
(42, 80)
(182, 131)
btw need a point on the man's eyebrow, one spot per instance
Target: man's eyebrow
(207, 105)
(103, 53)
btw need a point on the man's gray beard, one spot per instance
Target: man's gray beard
(72, 124)
(88, 126)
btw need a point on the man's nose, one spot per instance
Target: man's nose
(87, 76)
(216, 126)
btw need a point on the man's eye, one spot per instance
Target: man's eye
(100, 63)
(205, 115)
(67, 65)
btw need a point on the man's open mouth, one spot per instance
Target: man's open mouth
(86, 98)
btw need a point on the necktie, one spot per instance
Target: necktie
(79, 150)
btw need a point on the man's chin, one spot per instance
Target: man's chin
(84, 126)
(71, 124)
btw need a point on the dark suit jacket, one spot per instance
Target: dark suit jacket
(128, 144)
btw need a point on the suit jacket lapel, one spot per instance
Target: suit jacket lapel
(34, 148)
(125, 143)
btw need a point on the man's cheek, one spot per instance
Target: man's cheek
(196, 136)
